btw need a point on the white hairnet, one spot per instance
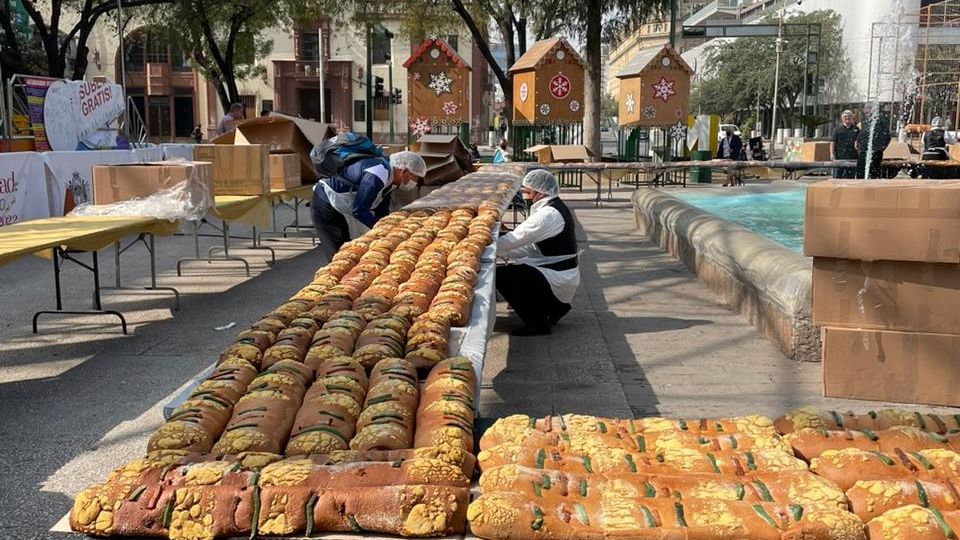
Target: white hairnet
(541, 181)
(936, 122)
(409, 161)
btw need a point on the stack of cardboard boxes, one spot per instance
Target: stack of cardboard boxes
(886, 288)
(446, 157)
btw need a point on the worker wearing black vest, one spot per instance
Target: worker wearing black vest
(541, 273)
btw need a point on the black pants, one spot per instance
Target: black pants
(331, 226)
(529, 294)
(875, 165)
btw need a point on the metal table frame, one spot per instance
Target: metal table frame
(61, 254)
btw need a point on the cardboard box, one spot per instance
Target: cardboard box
(285, 135)
(815, 151)
(871, 220)
(561, 153)
(115, 183)
(284, 171)
(886, 295)
(954, 151)
(900, 151)
(891, 366)
(237, 169)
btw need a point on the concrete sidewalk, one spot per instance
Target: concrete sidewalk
(645, 337)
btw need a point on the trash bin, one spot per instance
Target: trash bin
(701, 175)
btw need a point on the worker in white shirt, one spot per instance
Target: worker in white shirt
(541, 273)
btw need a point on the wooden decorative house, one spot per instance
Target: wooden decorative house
(438, 83)
(547, 96)
(655, 89)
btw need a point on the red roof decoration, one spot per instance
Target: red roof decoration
(439, 44)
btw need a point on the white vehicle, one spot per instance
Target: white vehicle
(723, 131)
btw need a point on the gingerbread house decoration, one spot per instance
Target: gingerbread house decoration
(548, 84)
(655, 89)
(438, 82)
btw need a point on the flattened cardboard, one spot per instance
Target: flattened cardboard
(872, 220)
(891, 366)
(886, 295)
(315, 132)
(815, 151)
(284, 171)
(115, 183)
(570, 153)
(900, 151)
(237, 169)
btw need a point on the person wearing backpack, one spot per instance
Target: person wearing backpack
(354, 189)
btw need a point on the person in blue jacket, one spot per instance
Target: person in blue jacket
(348, 205)
(731, 148)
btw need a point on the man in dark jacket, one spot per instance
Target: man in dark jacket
(731, 147)
(844, 143)
(346, 206)
(881, 139)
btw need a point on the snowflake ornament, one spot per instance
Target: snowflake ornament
(630, 103)
(678, 132)
(544, 109)
(574, 105)
(420, 127)
(663, 89)
(416, 75)
(449, 108)
(649, 112)
(559, 86)
(440, 83)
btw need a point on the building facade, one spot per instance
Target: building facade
(172, 97)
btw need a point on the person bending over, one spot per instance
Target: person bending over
(348, 205)
(541, 274)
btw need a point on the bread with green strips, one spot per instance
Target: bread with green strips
(871, 498)
(617, 432)
(846, 467)
(610, 514)
(810, 443)
(605, 460)
(813, 418)
(915, 523)
(798, 487)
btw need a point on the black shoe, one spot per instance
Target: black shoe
(528, 330)
(559, 313)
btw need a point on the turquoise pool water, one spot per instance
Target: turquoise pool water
(776, 214)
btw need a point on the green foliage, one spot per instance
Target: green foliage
(741, 71)
(609, 109)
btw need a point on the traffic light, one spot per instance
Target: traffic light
(378, 86)
(397, 97)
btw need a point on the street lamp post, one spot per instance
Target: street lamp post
(776, 80)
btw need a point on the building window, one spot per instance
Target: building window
(157, 50)
(133, 55)
(454, 42)
(266, 105)
(359, 111)
(309, 46)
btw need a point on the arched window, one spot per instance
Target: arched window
(143, 46)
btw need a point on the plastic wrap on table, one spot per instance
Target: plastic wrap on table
(185, 200)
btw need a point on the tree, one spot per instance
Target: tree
(609, 109)
(58, 44)
(602, 20)
(740, 73)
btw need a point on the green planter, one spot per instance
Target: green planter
(701, 175)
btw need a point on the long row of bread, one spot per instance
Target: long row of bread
(323, 373)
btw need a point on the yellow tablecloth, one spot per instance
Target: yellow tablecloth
(87, 233)
(253, 210)
(301, 192)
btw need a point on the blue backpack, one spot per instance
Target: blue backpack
(335, 154)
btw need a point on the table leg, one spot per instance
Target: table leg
(59, 253)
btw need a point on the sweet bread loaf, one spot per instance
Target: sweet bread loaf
(846, 467)
(871, 498)
(249, 346)
(503, 515)
(388, 419)
(915, 523)
(810, 443)
(811, 418)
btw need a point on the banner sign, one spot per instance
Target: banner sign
(77, 114)
(23, 187)
(36, 90)
(72, 172)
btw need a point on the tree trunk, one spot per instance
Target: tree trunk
(221, 93)
(591, 87)
(521, 36)
(483, 43)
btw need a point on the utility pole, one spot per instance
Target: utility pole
(776, 81)
(369, 115)
(323, 97)
(390, 103)
(673, 24)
